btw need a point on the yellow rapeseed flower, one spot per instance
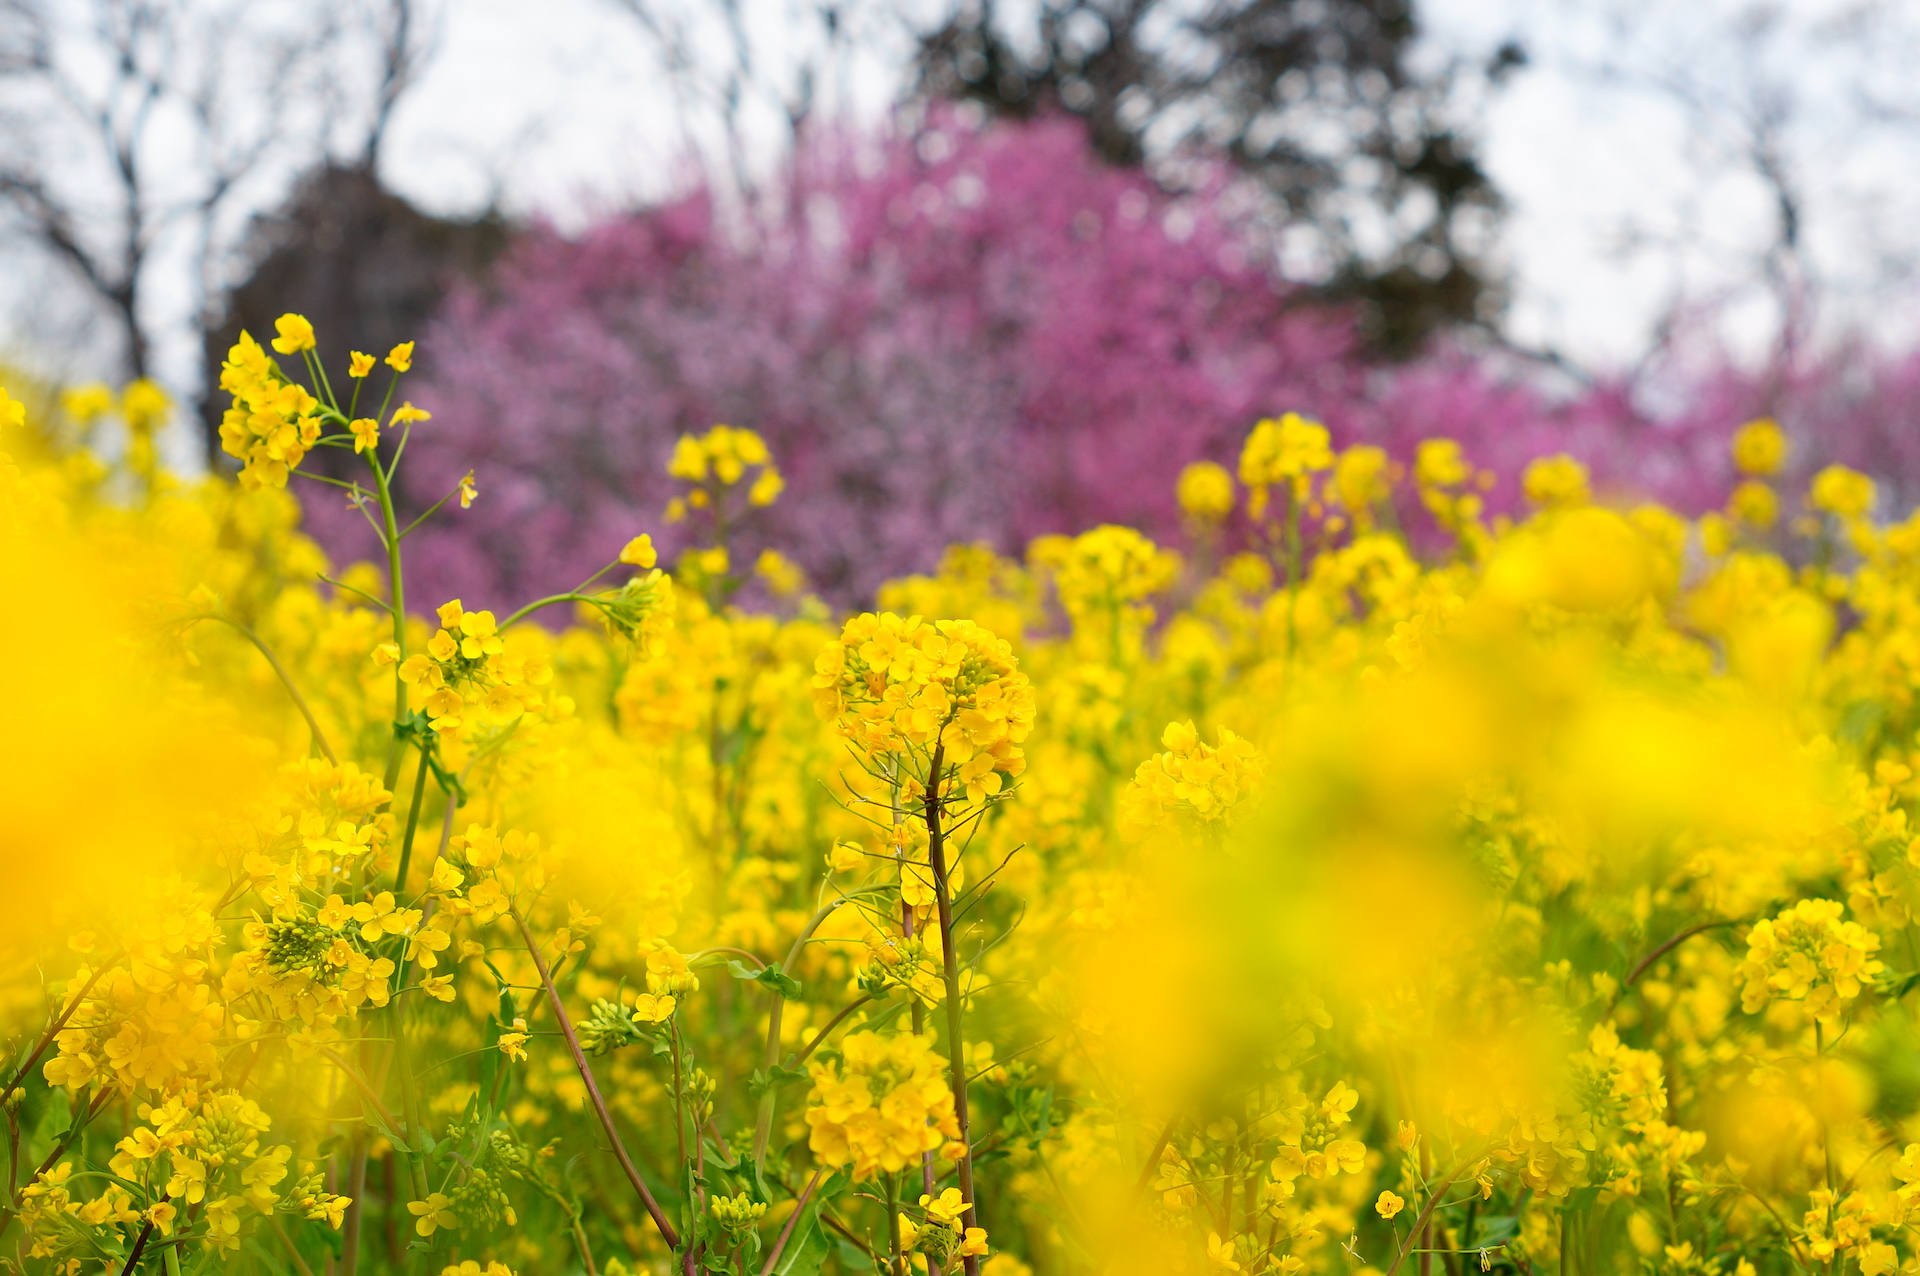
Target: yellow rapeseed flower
(295, 334)
(1759, 447)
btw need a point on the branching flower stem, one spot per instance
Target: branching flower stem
(763, 1125)
(660, 1220)
(950, 974)
(786, 1232)
(286, 680)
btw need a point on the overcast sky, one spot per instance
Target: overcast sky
(1622, 197)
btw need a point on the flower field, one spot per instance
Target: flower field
(1373, 884)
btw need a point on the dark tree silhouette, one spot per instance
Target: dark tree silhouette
(1314, 97)
(367, 267)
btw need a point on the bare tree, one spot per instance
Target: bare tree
(139, 137)
(730, 61)
(129, 127)
(1794, 114)
(1320, 100)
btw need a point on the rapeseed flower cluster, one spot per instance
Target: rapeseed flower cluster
(945, 694)
(1386, 885)
(881, 1105)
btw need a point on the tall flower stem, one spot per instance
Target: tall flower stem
(763, 1126)
(397, 600)
(413, 824)
(950, 974)
(660, 1221)
(916, 1011)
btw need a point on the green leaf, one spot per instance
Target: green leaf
(1861, 720)
(771, 975)
(393, 1136)
(1495, 1229)
(716, 1159)
(806, 1249)
(762, 1081)
(1579, 1202)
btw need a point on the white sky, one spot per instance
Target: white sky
(559, 107)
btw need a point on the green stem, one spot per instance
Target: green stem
(299, 1263)
(1426, 1212)
(397, 596)
(299, 701)
(786, 1232)
(580, 1241)
(413, 822)
(679, 1094)
(409, 1093)
(660, 1222)
(549, 601)
(53, 1030)
(896, 1259)
(139, 1248)
(73, 1132)
(1826, 1148)
(950, 975)
(763, 1126)
(832, 1023)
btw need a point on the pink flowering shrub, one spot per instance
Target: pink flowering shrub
(968, 334)
(972, 335)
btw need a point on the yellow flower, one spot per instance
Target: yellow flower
(1290, 448)
(892, 686)
(1388, 1205)
(145, 405)
(468, 491)
(1759, 447)
(1556, 482)
(272, 422)
(667, 971)
(1754, 504)
(1877, 1259)
(380, 917)
(1438, 463)
(358, 364)
(162, 1215)
(295, 334)
(782, 575)
(881, 1105)
(82, 404)
(189, 1180)
(947, 1208)
(689, 460)
(653, 1007)
(639, 552)
(433, 1214)
(439, 987)
(1807, 953)
(407, 412)
(1220, 1253)
(1360, 483)
(366, 433)
(1205, 491)
(1839, 490)
(1207, 782)
(767, 488)
(400, 358)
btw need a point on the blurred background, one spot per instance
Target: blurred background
(978, 269)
